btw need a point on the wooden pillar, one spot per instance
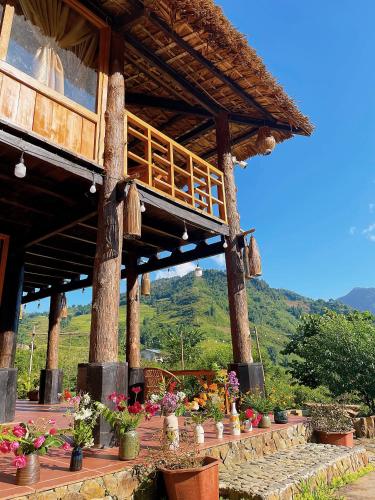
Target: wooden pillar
(133, 355)
(237, 295)
(10, 306)
(54, 320)
(107, 264)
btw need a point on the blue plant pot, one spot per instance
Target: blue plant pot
(76, 459)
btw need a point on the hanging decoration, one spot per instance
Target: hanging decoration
(146, 285)
(246, 261)
(265, 142)
(132, 213)
(255, 266)
(198, 271)
(21, 312)
(64, 307)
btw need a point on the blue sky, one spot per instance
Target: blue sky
(313, 200)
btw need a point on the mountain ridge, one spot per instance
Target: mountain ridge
(360, 298)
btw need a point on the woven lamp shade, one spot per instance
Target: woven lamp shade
(132, 213)
(265, 142)
(246, 263)
(146, 285)
(64, 307)
(255, 266)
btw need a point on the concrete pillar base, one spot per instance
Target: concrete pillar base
(250, 376)
(8, 391)
(50, 385)
(100, 380)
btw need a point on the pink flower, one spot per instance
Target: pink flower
(66, 446)
(113, 397)
(31, 421)
(136, 390)
(14, 446)
(53, 431)
(249, 413)
(19, 461)
(5, 446)
(52, 421)
(38, 442)
(19, 431)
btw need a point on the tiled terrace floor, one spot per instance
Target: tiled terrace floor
(97, 462)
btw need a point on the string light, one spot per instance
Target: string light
(93, 185)
(198, 272)
(225, 244)
(143, 208)
(185, 235)
(20, 168)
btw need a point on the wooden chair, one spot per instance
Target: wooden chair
(154, 377)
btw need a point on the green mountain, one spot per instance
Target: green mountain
(362, 299)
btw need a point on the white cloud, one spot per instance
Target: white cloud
(219, 260)
(368, 230)
(352, 230)
(180, 270)
(371, 207)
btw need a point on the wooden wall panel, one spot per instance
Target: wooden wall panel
(59, 124)
(26, 108)
(43, 116)
(9, 96)
(88, 139)
(73, 132)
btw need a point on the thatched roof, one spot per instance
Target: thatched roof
(185, 61)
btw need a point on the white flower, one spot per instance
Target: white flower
(154, 398)
(181, 396)
(194, 405)
(86, 399)
(83, 414)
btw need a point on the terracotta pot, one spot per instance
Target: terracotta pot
(76, 459)
(129, 446)
(280, 416)
(265, 422)
(201, 483)
(336, 438)
(29, 474)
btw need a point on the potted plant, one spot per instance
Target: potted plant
(27, 441)
(216, 412)
(84, 414)
(282, 399)
(198, 418)
(261, 404)
(332, 424)
(172, 405)
(233, 390)
(125, 419)
(247, 418)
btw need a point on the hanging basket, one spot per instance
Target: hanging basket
(132, 213)
(255, 266)
(146, 285)
(265, 142)
(64, 307)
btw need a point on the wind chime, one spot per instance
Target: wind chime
(64, 307)
(265, 142)
(146, 285)
(252, 260)
(132, 213)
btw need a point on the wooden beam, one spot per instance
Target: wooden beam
(234, 141)
(196, 132)
(35, 257)
(126, 21)
(155, 60)
(66, 253)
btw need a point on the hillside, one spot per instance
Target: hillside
(201, 302)
(362, 299)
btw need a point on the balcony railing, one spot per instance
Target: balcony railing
(174, 171)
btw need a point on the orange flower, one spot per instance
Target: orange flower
(212, 387)
(203, 396)
(205, 386)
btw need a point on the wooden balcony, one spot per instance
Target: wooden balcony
(172, 170)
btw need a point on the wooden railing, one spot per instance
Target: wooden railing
(171, 169)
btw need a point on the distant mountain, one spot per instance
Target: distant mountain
(362, 299)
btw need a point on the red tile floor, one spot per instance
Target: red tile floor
(97, 462)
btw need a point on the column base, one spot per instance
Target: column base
(250, 376)
(50, 385)
(100, 380)
(8, 391)
(136, 379)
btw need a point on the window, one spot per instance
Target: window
(57, 46)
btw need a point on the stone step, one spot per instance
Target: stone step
(279, 476)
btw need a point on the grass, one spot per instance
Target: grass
(329, 491)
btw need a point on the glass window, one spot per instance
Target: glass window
(54, 44)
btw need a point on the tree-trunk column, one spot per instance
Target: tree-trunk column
(133, 355)
(107, 264)
(237, 295)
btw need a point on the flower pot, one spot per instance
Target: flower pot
(29, 474)
(235, 425)
(171, 432)
(280, 416)
(76, 459)
(129, 446)
(201, 483)
(199, 434)
(336, 438)
(265, 422)
(219, 430)
(247, 426)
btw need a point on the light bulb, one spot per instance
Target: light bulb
(20, 169)
(143, 208)
(225, 244)
(93, 188)
(185, 236)
(198, 272)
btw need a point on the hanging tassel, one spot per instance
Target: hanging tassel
(146, 285)
(255, 266)
(265, 142)
(64, 307)
(246, 263)
(132, 213)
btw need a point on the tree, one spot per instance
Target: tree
(181, 343)
(338, 351)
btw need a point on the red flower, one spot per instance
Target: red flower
(19, 431)
(5, 447)
(135, 408)
(53, 431)
(67, 394)
(151, 409)
(172, 386)
(249, 413)
(66, 446)
(19, 461)
(136, 390)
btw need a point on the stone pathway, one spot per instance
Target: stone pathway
(277, 476)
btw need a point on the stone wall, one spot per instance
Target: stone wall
(364, 427)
